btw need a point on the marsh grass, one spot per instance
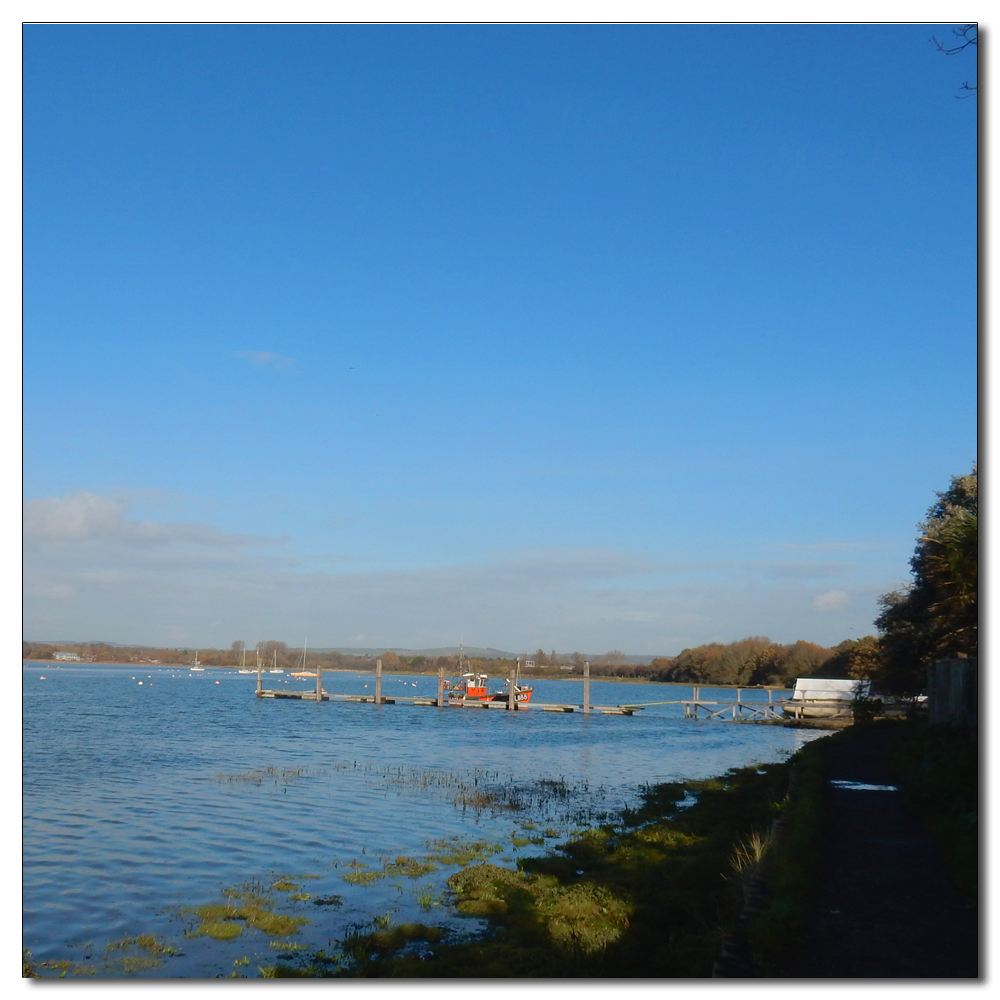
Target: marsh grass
(461, 851)
(60, 968)
(258, 776)
(128, 964)
(245, 906)
(749, 854)
(147, 942)
(648, 894)
(131, 964)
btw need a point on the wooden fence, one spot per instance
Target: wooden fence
(953, 692)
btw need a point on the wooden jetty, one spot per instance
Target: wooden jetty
(694, 707)
(737, 711)
(441, 701)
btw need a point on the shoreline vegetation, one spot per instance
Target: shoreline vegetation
(699, 879)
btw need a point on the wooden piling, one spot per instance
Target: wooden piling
(586, 687)
(260, 681)
(378, 682)
(440, 698)
(319, 683)
(512, 682)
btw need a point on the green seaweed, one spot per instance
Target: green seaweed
(461, 851)
(223, 921)
(221, 930)
(147, 942)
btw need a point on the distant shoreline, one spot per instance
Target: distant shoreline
(418, 673)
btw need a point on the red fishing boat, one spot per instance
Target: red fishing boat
(470, 687)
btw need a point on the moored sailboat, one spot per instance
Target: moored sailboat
(302, 672)
(276, 669)
(243, 662)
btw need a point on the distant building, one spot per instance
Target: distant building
(67, 656)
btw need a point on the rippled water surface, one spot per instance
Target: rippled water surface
(144, 801)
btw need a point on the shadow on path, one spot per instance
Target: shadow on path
(888, 907)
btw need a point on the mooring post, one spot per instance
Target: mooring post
(260, 681)
(586, 687)
(378, 682)
(440, 687)
(319, 683)
(512, 682)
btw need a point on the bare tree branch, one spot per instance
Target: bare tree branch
(967, 35)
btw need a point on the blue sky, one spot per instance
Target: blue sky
(583, 337)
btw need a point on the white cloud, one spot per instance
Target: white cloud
(82, 516)
(832, 600)
(72, 518)
(266, 359)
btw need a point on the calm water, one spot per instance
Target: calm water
(143, 800)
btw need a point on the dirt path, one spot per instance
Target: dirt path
(888, 907)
